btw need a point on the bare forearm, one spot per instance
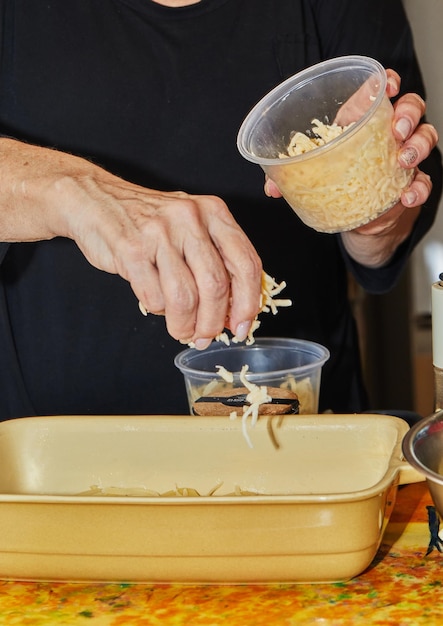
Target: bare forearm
(31, 183)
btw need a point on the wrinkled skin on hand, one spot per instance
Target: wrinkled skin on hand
(184, 256)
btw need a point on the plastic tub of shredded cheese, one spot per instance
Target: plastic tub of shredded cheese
(275, 362)
(324, 136)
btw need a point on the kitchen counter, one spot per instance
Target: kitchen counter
(403, 586)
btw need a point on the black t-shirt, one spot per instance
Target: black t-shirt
(156, 95)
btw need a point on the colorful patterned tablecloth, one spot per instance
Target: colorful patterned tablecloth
(403, 586)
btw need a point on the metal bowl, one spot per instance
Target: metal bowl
(423, 449)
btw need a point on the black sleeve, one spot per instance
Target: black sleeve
(380, 29)
(3, 250)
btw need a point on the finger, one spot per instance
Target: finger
(271, 189)
(408, 111)
(418, 191)
(197, 305)
(195, 281)
(181, 296)
(150, 300)
(136, 264)
(244, 268)
(418, 146)
(245, 294)
(393, 83)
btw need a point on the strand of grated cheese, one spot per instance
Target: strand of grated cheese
(225, 374)
(258, 394)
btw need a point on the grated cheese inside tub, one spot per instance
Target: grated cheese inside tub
(343, 188)
(321, 135)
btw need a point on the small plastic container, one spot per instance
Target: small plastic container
(293, 364)
(351, 179)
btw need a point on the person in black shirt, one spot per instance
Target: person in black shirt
(121, 181)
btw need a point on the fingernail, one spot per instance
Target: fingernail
(410, 197)
(242, 330)
(202, 343)
(409, 156)
(403, 127)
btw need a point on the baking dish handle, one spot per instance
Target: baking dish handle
(408, 474)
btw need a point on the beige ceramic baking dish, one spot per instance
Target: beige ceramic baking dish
(326, 486)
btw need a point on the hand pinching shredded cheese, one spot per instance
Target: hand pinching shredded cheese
(268, 303)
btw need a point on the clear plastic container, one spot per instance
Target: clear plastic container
(294, 364)
(351, 179)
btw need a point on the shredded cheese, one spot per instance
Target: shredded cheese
(349, 185)
(268, 303)
(143, 309)
(186, 492)
(321, 135)
(225, 374)
(305, 392)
